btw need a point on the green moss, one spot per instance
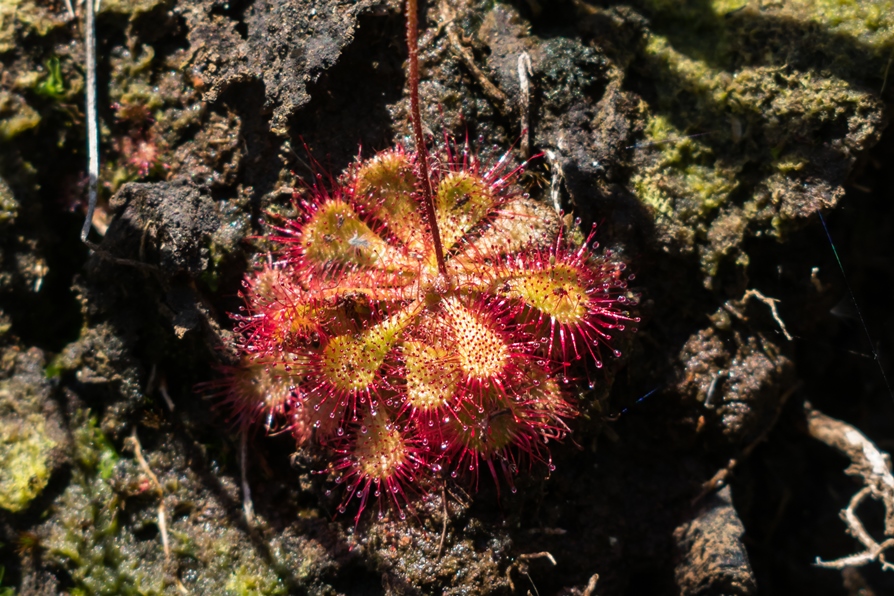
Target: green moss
(86, 537)
(16, 116)
(25, 450)
(28, 437)
(761, 127)
(55, 368)
(870, 21)
(131, 7)
(26, 17)
(94, 451)
(247, 582)
(132, 83)
(105, 552)
(684, 181)
(87, 542)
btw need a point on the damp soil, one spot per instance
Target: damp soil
(718, 146)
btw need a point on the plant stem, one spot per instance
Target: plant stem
(421, 153)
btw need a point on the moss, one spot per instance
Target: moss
(684, 179)
(244, 582)
(26, 442)
(132, 83)
(870, 21)
(131, 7)
(86, 535)
(94, 451)
(55, 368)
(25, 450)
(26, 17)
(103, 530)
(865, 23)
(732, 151)
(147, 95)
(16, 116)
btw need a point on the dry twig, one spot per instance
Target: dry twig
(92, 126)
(134, 442)
(247, 504)
(771, 302)
(873, 467)
(555, 183)
(444, 523)
(521, 565)
(591, 585)
(525, 71)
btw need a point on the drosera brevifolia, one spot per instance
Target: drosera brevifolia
(424, 318)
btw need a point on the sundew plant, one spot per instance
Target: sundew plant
(424, 318)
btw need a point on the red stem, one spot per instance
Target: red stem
(421, 153)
